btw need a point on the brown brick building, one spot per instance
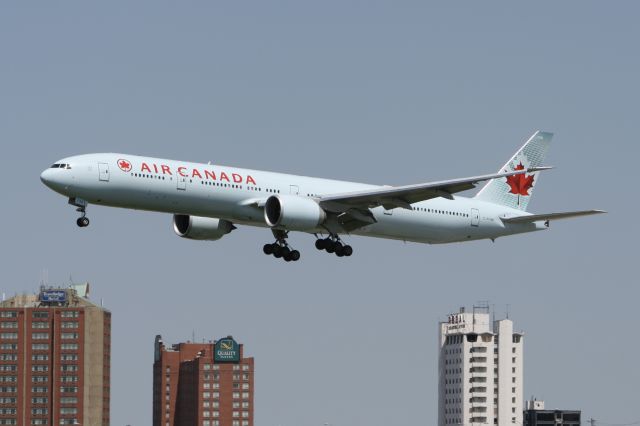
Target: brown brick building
(55, 351)
(202, 384)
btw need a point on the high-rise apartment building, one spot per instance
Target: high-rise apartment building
(202, 384)
(480, 370)
(55, 351)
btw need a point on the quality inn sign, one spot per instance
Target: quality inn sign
(226, 350)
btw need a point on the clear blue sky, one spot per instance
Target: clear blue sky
(389, 93)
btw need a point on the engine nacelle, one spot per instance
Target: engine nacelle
(293, 212)
(201, 228)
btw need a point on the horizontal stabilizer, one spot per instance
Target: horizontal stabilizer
(549, 216)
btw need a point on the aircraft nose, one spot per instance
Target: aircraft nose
(46, 177)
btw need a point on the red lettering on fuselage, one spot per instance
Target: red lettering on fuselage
(197, 173)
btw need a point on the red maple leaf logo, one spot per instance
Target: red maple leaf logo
(520, 184)
(124, 165)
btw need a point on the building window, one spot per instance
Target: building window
(70, 324)
(8, 314)
(11, 324)
(9, 336)
(69, 346)
(68, 336)
(39, 336)
(40, 324)
(40, 314)
(70, 314)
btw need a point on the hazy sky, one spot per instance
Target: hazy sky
(388, 93)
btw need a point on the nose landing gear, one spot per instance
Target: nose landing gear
(333, 244)
(280, 248)
(83, 220)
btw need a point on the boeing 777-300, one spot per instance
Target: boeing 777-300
(208, 201)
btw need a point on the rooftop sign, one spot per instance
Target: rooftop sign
(226, 350)
(53, 296)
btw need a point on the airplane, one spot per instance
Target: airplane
(208, 201)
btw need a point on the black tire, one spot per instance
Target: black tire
(268, 249)
(330, 247)
(277, 251)
(286, 251)
(340, 252)
(295, 255)
(79, 222)
(347, 250)
(320, 244)
(287, 257)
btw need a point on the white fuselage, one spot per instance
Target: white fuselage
(235, 194)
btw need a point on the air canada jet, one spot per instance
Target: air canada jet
(209, 201)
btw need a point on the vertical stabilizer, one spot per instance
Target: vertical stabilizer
(515, 191)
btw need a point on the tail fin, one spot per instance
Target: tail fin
(515, 191)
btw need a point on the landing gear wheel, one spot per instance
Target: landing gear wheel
(321, 244)
(277, 251)
(268, 249)
(330, 246)
(82, 222)
(347, 250)
(295, 255)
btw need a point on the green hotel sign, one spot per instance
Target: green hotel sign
(226, 350)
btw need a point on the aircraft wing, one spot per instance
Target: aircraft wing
(391, 197)
(550, 216)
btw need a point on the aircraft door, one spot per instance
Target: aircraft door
(294, 189)
(475, 217)
(181, 182)
(103, 172)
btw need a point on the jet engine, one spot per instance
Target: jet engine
(293, 212)
(201, 228)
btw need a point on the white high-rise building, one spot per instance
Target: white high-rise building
(480, 371)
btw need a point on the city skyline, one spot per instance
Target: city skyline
(388, 94)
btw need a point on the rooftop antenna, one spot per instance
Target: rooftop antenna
(193, 335)
(493, 314)
(508, 305)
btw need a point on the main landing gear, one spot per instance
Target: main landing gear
(280, 248)
(83, 220)
(333, 244)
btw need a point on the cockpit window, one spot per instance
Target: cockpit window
(61, 166)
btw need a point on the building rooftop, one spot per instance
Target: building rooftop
(74, 295)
